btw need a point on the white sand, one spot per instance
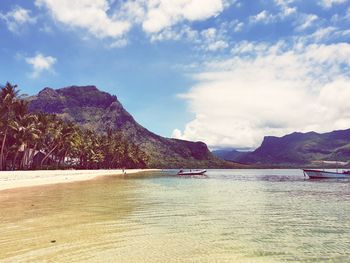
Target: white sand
(15, 179)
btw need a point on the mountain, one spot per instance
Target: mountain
(96, 110)
(229, 154)
(301, 149)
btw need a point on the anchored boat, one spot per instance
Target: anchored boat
(319, 174)
(192, 172)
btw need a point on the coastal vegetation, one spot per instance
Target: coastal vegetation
(39, 140)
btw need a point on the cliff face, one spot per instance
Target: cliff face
(302, 149)
(57, 101)
(100, 111)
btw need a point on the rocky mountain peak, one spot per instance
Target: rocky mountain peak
(48, 92)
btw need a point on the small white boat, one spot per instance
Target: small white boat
(191, 172)
(319, 174)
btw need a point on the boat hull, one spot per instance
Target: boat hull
(200, 172)
(319, 174)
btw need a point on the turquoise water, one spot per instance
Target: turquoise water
(228, 216)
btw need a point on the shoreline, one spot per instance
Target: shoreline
(19, 179)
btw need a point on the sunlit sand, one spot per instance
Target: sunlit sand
(15, 179)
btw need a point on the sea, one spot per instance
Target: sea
(225, 216)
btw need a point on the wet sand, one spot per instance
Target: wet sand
(17, 179)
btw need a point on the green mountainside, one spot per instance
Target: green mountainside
(229, 154)
(99, 111)
(296, 149)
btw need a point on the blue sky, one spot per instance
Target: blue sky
(226, 72)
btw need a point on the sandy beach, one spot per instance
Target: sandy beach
(16, 179)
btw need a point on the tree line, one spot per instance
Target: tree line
(44, 141)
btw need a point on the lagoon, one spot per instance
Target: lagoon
(228, 216)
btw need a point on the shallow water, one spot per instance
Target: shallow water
(228, 216)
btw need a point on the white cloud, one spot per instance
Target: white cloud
(160, 19)
(265, 17)
(322, 34)
(341, 19)
(40, 63)
(271, 90)
(119, 43)
(17, 18)
(217, 45)
(247, 48)
(133, 11)
(46, 29)
(238, 27)
(287, 10)
(91, 15)
(306, 21)
(284, 2)
(180, 33)
(210, 39)
(330, 3)
(262, 17)
(161, 14)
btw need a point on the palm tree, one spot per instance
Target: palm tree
(53, 137)
(8, 97)
(67, 141)
(26, 134)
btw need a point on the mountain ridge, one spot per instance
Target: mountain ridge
(301, 149)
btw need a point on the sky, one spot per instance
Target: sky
(226, 72)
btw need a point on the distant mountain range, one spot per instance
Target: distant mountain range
(99, 111)
(297, 149)
(229, 154)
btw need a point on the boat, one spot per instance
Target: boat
(320, 174)
(192, 172)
